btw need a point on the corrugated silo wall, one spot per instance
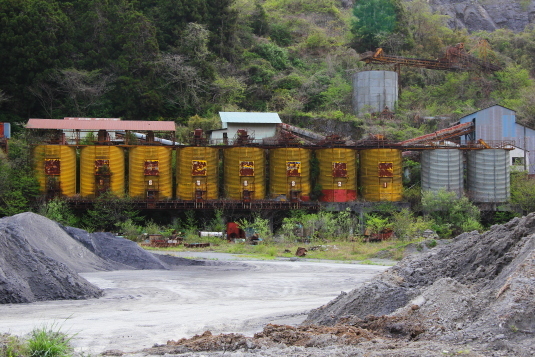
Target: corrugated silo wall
(442, 169)
(488, 176)
(338, 174)
(373, 90)
(244, 170)
(150, 170)
(56, 164)
(94, 179)
(289, 170)
(381, 174)
(197, 172)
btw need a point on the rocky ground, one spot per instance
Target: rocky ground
(473, 297)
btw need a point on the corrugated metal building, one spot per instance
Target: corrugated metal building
(258, 125)
(498, 123)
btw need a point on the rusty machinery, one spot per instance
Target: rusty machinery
(455, 59)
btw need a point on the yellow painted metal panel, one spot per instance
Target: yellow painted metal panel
(332, 176)
(110, 156)
(150, 170)
(381, 174)
(289, 169)
(244, 170)
(197, 169)
(64, 157)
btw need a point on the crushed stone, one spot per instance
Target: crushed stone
(40, 259)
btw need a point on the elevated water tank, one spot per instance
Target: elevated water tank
(338, 174)
(488, 178)
(289, 173)
(56, 169)
(442, 169)
(381, 174)
(150, 172)
(197, 173)
(374, 90)
(244, 174)
(102, 169)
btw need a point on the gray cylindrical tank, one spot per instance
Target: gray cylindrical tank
(374, 90)
(488, 177)
(442, 169)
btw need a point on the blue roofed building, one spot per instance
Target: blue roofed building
(258, 125)
(497, 124)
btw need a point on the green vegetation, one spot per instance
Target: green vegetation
(187, 60)
(46, 341)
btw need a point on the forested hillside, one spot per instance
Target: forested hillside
(185, 60)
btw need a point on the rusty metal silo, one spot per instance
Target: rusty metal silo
(244, 174)
(488, 176)
(381, 174)
(338, 174)
(102, 169)
(150, 172)
(197, 173)
(56, 169)
(289, 173)
(442, 169)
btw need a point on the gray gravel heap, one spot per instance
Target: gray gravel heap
(480, 287)
(40, 259)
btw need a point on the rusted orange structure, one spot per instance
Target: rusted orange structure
(338, 175)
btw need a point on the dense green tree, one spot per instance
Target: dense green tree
(35, 37)
(373, 18)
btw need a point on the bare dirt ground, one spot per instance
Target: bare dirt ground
(474, 296)
(141, 308)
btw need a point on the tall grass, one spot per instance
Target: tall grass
(46, 341)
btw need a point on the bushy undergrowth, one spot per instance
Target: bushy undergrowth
(46, 341)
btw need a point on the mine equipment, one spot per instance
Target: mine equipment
(244, 173)
(150, 172)
(488, 175)
(381, 174)
(337, 175)
(290, 174)
(442, 169)
(56, 170)
(102, 169)
(455, 59)
(197, 173)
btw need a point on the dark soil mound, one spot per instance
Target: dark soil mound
(479, 287)
(40, 259)
(28, 273)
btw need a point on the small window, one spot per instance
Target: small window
(518, 161)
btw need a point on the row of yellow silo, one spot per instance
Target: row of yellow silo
(245, 172)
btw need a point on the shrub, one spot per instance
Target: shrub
(49, 342)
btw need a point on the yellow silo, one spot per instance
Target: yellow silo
(197, 173)
(56, 169)
(150, 172)
(337, 174)
(289, 173)
(102, 170)
(381, 174)
(244, 174)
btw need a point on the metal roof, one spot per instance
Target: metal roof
(100, 123)
(249, 118)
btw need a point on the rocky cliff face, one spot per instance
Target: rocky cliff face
(488, 15)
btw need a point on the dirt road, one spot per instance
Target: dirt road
(143, 308)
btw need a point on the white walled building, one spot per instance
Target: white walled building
(258, 125)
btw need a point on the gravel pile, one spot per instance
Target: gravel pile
(479, 288)
(40, 259)
(473, 297)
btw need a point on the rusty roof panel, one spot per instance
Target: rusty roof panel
(93, 124)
